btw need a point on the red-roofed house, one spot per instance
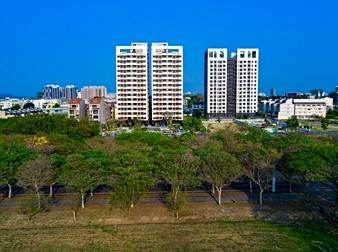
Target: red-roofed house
(77, 108)
(96, 110)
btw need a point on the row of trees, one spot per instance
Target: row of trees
(133, 162)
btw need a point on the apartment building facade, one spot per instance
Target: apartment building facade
(132, 82)
(89, 92)
(215, 88)
(97, 110)
(51, 92)
(231, 84)
(77, 108)
(167, 82)
(134, 97)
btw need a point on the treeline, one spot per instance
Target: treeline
(50, 124)
(131, 163)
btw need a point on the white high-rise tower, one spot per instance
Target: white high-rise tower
(231, 84)
(247, 81)
(132, 82)
(167, 82)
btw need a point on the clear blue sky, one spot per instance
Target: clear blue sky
(73, 42)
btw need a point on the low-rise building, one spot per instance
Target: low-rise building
(54, 111)
(302, 108)
(96, 110)
(197, 105)
(77, 108)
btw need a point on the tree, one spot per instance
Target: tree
(35, 174)
(292, 123)
(193, 124)
(15, 107)
(179, 170)
(13, 153)
(28, 105)
(220, 169)
(332, 114)
(56, 105)
(296, 156)
(294, 165)
(326, 168)
(324, 123)
(198, 113)
(258, 164)
(130, 185)
(80, 174)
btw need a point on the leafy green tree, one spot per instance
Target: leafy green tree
(56, 105)
(80, 174)
(332, 114)
(324, 123)
(198, 113)
(193, 124)
(13, 153)
(292, 123)
(220, 169)
(50, 124)
(294, 165)
(296, 155)
(16, 107)
(258, 165)
(35, 174)
(28, 105)
(130, 185)
(179, 170)
(325, 168)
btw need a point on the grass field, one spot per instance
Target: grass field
(203, 227)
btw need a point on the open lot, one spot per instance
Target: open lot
(203, 226)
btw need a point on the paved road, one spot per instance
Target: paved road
(238, 192)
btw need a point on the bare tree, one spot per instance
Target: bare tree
(35, 174)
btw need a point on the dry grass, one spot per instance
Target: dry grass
(204, 226)
(216, 126)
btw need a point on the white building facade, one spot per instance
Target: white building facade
(167, 81)
(216, 81)
(132, 82)
(302, 108)
(247, 81)
(231, 84)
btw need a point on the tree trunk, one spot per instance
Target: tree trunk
(219, 190)
(82, 200)
(250, 185)
(39, 199)
(74, 215)
(175, 198)
(175, 204)
(91, 191)
(9, 190)
(213, 189)
(176, 214)
(290, 186)
(51, 191)
(129, 209)
(261, 197)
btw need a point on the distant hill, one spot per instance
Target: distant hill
(5, 95)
